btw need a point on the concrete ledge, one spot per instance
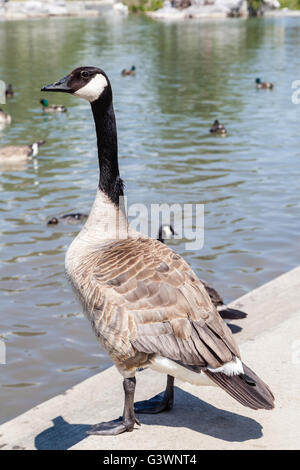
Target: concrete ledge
(203, 417)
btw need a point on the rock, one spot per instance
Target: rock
(183, 9)
(167, 12)
(37, 8)
(120, 8)
(181, 4)
(56, 10)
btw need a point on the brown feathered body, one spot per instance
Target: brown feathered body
(4, 118)
(143, 299)
(20, 152)
(16, 152)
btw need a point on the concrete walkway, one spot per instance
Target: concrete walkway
(202, 418)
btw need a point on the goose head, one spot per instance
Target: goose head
(89, 83)
(165, 232)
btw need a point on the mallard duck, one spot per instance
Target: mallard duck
(20, 152)
(9, 92)
(126, 72)
(146, 305)
(53, 108)
(218, 128)
(4, 118)
(228, 314)
(71, 219)
(260, 84)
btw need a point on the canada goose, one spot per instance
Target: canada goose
(126, 72)
(260, 84)
(165, 231)
(145, 304)
(227, 313)
(9, 92)
(71, 219)
(218, 128)
(53, 108)
(20, 152)
(4, 118)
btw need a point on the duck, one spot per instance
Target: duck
(53, 108)
(218, 128)
(145, 304)
(4, 118)
(20, 152)
(9, 92)
(72, 219)
(228, 314)
(126, 72)
(266, 85)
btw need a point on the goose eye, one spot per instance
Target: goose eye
(84, 74)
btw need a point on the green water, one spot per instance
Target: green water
(187, 75)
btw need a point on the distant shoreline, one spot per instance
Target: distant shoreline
(19, 10)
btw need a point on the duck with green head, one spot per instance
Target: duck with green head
(127, 72)
(265, 85)
(53, 108)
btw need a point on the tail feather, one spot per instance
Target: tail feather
(232, 314)
(248, 389)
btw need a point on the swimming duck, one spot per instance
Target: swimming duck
(218, 128)
(4, 118)
(53, 108)
(126, 72)
(71, 219)
(146, 305)
(260, 84)
(9, 92)
(228, 314)
(20, 152)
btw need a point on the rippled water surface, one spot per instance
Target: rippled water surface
(187, 75)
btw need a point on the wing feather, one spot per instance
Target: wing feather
(141, 297)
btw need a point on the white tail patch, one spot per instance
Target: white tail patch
(93, 89)
(167, 366)
(234, 367)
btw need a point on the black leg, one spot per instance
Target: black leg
(158, 403)
(127, 422)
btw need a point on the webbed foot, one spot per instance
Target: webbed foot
(159, 403)
(155, 405)
(112, 428)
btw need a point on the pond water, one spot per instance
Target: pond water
(187, 75)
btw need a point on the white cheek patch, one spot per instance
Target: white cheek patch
(167, 232)
(93, 89)
(35, 149)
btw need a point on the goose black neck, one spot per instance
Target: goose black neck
(160, 235)
(109, 181)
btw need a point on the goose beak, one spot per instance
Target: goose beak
(61, 85)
